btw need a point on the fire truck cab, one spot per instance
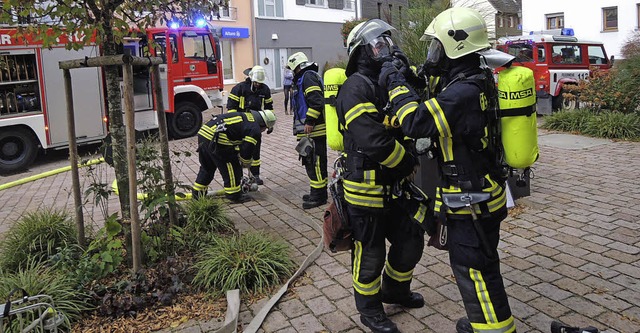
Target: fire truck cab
(32, 96)
(557, 58)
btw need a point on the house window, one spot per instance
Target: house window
(270, 8)
(555, 21)
(227, 59)
(349, 5)
(379, 9)
(319, 3)
(638, 16)
(511, 22)
(500, 21)
(610, 18)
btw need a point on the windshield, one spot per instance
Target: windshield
(522, 52)
(197, 47)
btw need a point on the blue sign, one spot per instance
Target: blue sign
(229, 32)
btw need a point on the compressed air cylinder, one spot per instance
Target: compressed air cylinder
(517, 100)
(333, 79)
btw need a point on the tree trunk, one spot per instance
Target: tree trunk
(116, 123)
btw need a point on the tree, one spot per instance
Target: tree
(108, 21)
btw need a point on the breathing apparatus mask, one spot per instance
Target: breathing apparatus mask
(436, 63)
(381, 48)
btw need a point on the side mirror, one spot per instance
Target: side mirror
(611, 60)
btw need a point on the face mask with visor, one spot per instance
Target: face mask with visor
(435, 54)
(381, 47)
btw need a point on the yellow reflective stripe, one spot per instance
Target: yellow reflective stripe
(206, 135)
(317, 169)
(256, 163)
(249, 116)
(483, 296)
(199, 187)
(313, 113)
(250, 140)
(397, 92)
(369, 176)
(233, 120)
(357, 110)
(232, 180)
(505, 326)
(234, 97)
(363, 188)
(395, 157)
(243, 160)
(318, 183)
(439, 118)
(367, 288)
(406, 110)
(421, 213)
(268, 100)
(364, 201)
(312, 88)
(241, 102)
(357, 259)
(446, 147)
(398, 276)
(493, 205)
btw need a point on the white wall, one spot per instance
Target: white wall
(585, 17)
(316, 14)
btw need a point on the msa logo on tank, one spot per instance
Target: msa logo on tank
(515, 94)
(331, 87)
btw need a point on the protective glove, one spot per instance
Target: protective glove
(389, 76)
(269, 130)
(400, 60)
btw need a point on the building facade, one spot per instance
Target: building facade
(388, 10)
(609, 21)
(507, 17)
(283, 27)
(233, 25)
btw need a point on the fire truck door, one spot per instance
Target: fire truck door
(198, 52)
(87, 97)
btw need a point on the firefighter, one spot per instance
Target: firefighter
(227, 142)
(252, 94)
(470, 195)
(376, 160)
(308, 121)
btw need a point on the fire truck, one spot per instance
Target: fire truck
(32, 96)
(558, 59)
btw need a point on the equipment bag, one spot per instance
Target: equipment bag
(333, 79)
(519, 131)
(299, 103)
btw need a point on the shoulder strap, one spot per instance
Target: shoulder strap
(371, 85)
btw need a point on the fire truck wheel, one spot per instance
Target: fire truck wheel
(186, 120)
(18, 149)
(561, 103)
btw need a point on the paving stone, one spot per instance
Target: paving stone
(320, 305)
(275, 321)
(337, 322)
(307, 323)
(293, 308)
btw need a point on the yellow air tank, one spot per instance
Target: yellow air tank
(517, 100)
(333, 79)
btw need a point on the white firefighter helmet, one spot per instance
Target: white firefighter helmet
(365, 32)
(257, 74)
(296, 59)
(265, 118)
(460, 31)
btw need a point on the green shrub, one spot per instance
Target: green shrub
(568, 120)
(207, 215)
(250, 262)
(37, 279)
(36, 236)
(614, 125)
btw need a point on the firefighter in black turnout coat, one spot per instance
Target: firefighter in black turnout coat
(376, 160)
(470, 195)
(226, 143)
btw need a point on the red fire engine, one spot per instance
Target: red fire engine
(557, 58)
(33, 106)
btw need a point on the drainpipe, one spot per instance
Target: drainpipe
(253, 33)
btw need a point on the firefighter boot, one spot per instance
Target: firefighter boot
(318, 197)
(414, 301)
(558, 327)
(464, 326)
(238, 198)
(379, 323)
(306, 197)
(258, 180)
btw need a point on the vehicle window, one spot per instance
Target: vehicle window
(161, 47)
(596, 55)
(197, 47)
(566, 54)
(542, 54)
(522, 52)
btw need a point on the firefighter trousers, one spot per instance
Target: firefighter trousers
(478, 273)
(214, 157)
(316, 167)
(371, 227)
(255, 163)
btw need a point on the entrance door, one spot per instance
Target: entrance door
(273, 61)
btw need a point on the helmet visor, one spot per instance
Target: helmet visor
(257, 76)
(381, 46)
(435, 52)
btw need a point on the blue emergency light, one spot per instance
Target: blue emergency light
(174, 25)
(201, 23)
(567, 32)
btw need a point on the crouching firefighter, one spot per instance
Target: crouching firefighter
(470, 194)
(227, 143)
(376, 160)
(252, 94)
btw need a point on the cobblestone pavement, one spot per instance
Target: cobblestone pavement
(572, 254)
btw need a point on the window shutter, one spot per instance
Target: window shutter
(335, 4)
(300, 2)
